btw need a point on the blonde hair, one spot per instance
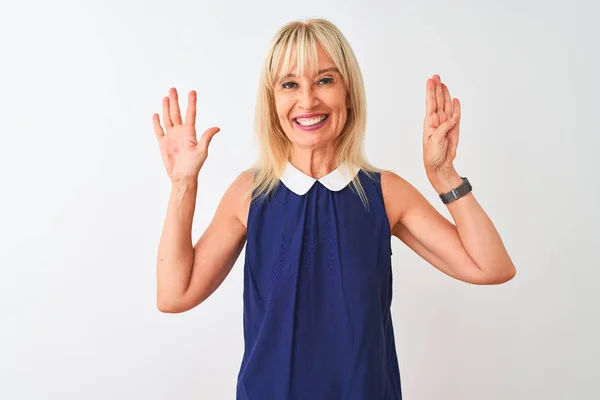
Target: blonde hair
(295, 44)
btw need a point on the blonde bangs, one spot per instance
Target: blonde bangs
(295, 54)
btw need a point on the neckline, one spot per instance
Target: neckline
(300, 183)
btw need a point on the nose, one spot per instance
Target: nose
(307, 98)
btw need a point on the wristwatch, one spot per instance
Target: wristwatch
(455, 194)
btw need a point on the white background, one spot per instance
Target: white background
(83, 191)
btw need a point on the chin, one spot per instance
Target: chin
(308, 138)
(312, 139)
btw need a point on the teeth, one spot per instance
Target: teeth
(311, 121)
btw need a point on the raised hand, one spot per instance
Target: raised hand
(182, 154)
(440, 127)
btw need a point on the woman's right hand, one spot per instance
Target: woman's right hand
(181, 152)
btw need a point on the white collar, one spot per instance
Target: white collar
(300, 183)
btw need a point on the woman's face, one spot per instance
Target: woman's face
(312, 109)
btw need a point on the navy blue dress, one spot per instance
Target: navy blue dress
(317, 293)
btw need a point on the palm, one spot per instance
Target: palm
(440, 127)
(179, 151)
(182, 154)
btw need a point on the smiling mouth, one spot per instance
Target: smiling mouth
(308, 122)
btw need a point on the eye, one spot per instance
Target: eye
(325, 81)
(288, 85)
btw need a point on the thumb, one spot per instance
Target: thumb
(206, 137)
(443, 129)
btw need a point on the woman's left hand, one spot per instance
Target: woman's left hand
(440, 128)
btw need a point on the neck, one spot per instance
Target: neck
(313, 162)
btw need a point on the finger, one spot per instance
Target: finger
(158, 130)
(430, 105)
(439, 96)
(447, 100)
(174, 104)
(456, 109)
(190, 115)
(450, 127)
(166, 113)
(206, 138)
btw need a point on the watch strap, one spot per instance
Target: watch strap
(458, 192)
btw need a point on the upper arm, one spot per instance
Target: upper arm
(427, 232)
(218, 248)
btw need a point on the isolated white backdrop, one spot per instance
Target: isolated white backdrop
(84, 193)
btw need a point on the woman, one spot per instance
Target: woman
(316, 219)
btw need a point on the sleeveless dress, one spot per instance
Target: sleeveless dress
(317, 293)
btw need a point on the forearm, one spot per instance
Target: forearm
(175, 251)
(476, 231)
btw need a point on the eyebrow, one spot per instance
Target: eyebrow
(321, 72)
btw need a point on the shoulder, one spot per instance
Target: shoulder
(236, 200)
(398, 194)
(243, 182)
(390, 179)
